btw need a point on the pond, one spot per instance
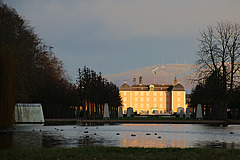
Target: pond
(123, 135)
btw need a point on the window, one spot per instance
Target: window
(155, 99)
(142, 93)
(147, 93)
(125, 99)
(141, 105)
(136, 93)
(136, 105)
(124, 93)
(155, 93)
(178, 99)
(136, 99)
(147, 105)
(178, 93)
(141, 99)
(161, 105)
(161, 93)
(161, 99)
(147, 99)
(124, 105)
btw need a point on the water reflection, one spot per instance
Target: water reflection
(158, 138)
(147, 135)
(181, 135)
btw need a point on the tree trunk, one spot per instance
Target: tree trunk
(84, 109)
(88, 111)
(101, 111)
(97, 111)
(7, 87)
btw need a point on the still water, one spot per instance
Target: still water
(146, 135)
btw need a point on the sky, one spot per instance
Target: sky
(113, 36)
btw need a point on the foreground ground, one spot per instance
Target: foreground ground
(112, 153)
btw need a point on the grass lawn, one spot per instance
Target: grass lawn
(118, 153)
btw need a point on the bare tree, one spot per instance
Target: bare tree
(219, 51)
(219, 54)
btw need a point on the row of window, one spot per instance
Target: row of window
(147, 105)
(142, 99)
(142, 93)
(147, 93)
(142, 105)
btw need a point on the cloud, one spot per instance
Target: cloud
(129, 18)
(118, 35)
(115, 19)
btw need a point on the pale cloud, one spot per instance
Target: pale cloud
(118, 35)
(129, 18)
(119, 19)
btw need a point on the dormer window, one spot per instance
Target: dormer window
(151, 87)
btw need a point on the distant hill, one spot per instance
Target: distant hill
(165, 74)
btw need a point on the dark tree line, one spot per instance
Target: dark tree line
(219, 69)
(30, 72)
(94, 91)
(29, 69)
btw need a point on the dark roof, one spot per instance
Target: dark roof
(139, 87)
(125, 87)
(161, 87)
(178, 87)
(157, 87)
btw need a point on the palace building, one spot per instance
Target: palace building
(154, 98)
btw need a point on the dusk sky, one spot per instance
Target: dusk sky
(114, 36)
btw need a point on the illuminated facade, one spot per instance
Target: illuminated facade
(154, 98)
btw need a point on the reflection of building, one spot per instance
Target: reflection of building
(167, 139)
(154, 98)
